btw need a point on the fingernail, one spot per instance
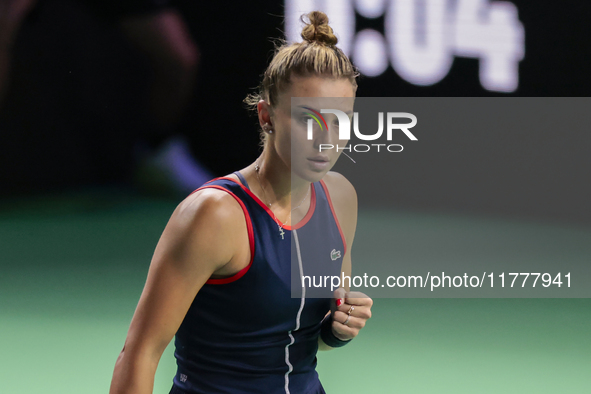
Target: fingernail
(339, 302)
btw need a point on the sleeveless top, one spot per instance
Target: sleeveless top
(256, 331)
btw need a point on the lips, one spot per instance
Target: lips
(319, 159)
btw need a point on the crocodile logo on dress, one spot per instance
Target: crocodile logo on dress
(335, 254)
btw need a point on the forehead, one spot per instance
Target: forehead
(318, 86)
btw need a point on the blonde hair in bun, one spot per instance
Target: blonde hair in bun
(318, 30)
(316, 55)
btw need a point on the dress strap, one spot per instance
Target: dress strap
(242, 179)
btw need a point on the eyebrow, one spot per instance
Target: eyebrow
(303, 107)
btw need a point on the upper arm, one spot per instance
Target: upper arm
(344, 200)
(199, 238)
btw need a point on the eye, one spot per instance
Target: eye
(304, 118)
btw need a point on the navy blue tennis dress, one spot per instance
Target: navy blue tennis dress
(246, 333)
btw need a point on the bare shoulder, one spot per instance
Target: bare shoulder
(212, 220)
(216, 203)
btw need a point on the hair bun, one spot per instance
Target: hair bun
(318, 30)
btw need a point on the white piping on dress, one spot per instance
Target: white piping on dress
(302, 302)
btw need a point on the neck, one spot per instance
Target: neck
(282, 189)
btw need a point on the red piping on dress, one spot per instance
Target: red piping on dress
(300, 224)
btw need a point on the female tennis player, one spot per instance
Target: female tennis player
(222, 272)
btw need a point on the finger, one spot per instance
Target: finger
(350, 329)
(344, 333)
(347, 308)
(355, 294)
(339, 296)
(338, 299)
(350, 309)
(358, 298)
(344, 319)
(360, 311)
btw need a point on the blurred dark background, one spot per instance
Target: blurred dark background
(77, 101)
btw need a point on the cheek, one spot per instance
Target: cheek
(301, 147)
(283, 144)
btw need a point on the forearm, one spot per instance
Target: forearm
(133, 374)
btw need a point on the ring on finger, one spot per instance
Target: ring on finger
(347, 321)
(351, 310)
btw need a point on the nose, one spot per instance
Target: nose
(326, 136)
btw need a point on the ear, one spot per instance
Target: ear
(264, 114)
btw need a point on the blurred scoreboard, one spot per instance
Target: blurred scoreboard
(462, 47)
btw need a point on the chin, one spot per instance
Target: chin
(311, 175)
